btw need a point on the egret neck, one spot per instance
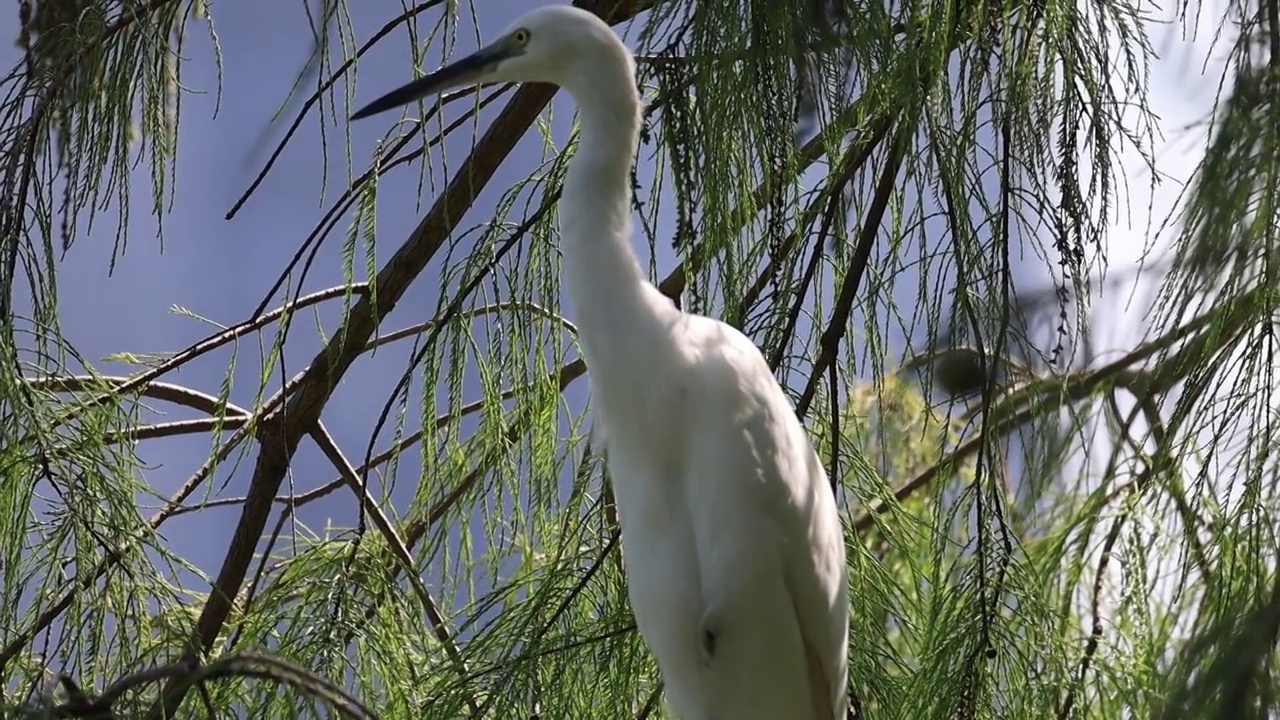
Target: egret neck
(613, 303)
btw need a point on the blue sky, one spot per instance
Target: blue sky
(220, 269)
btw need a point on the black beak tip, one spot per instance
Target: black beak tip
(364, 112)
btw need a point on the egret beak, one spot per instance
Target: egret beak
(470, 70)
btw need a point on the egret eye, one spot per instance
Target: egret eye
(520, 37)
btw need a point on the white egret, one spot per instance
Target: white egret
(732, 544)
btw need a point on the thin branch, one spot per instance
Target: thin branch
(217, 340)
(401, 552)
(255, 665)
(650, 703)
(311, 245)
(318, 95)
(416, 529)
(836, 328)
(1104, 562)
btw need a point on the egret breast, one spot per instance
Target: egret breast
(663, 579)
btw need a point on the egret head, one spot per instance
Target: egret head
(557, 44)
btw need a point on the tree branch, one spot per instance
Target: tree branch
(281, 431)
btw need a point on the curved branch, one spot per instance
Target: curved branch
(219, 339)
(401, 552)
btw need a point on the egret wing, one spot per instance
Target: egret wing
(815, 559)
(761, 496)
(816, 580)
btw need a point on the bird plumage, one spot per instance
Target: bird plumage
(731, 540)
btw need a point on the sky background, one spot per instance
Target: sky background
(221, 269)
